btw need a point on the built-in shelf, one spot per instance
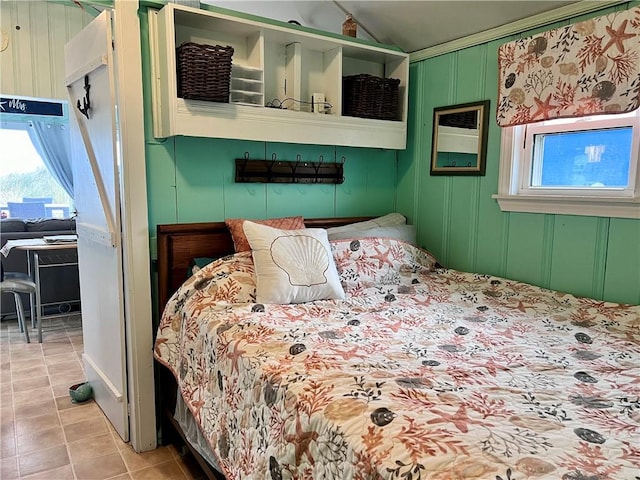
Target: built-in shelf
(247, 85)
(274, 65)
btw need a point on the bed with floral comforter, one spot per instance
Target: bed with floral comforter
(420, 373)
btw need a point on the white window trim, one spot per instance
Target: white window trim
(598, 203)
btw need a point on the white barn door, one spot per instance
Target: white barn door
(90, 75)
(113, 250)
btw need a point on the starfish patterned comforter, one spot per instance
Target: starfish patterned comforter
(420, 373)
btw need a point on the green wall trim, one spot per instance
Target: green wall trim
(474, 224)
(547, 249)
(419, 131)
(600, 257)
(505, 250)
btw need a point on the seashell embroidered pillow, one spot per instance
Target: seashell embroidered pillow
(292, 266)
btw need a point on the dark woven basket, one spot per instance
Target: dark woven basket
(204, 71)
(368, 96)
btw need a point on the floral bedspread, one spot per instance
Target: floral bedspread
(421, 373)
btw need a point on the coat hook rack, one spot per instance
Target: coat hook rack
(86, 102)
(283, 171)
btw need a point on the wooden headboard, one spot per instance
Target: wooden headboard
(180, 243)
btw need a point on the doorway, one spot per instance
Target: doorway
(36, 203)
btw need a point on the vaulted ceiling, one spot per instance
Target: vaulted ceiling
(411, 25)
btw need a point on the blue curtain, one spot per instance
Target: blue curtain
(52, 143)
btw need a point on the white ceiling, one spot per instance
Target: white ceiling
(411, 25)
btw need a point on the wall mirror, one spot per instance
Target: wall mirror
(459, 144)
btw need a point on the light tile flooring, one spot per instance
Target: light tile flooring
(45, 436)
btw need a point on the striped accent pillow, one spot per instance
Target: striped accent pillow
(240, 242)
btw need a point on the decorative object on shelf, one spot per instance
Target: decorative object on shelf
(349, 26)
(187, 3)
(86, 102)
(281, 171)
(204, 71)
(368, 96)
(80, 392)
(459, 145)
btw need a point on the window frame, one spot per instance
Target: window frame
(515, 194)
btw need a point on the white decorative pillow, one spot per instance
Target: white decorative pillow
(292, 266)
(406, 233)
(388, 220)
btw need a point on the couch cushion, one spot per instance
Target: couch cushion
(50, 224)
(12, 225)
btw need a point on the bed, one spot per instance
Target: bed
(420, 372)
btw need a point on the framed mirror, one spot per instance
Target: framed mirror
(459, 144)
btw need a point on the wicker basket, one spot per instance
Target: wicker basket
(204, 71)
(370, 97)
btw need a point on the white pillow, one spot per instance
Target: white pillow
(388, 220)
(292, 266)
(406, 233)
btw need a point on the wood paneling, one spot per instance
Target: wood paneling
(194, 182)
(622, 277)
(33, 63)
(463, 226)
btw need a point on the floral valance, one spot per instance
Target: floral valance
(587, 68)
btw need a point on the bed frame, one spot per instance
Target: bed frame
(178, 245)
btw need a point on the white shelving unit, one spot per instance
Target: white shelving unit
(247, 86)
(274, 64)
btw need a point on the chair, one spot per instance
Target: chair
(37, 199)
(26, 210)
(17, 283)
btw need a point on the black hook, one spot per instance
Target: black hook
(86, 102)
(243, 172)
(340, 174)
(294, 168)
(270, 168)
(316, 167)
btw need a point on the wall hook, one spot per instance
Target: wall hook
(86, 102)
(270, 168)
(295, 171)
(294, 168)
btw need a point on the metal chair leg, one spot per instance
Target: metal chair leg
(32, 299)
(21, 318)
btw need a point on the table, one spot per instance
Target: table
(35, 248)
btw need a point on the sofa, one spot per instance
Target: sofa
(60, 286)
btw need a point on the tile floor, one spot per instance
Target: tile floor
(45, 436)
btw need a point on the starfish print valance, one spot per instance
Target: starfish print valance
(587, 68)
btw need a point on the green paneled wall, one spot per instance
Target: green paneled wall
(192, 179)
(463, 226)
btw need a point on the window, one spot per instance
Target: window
(23, 174)
(580, 166)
